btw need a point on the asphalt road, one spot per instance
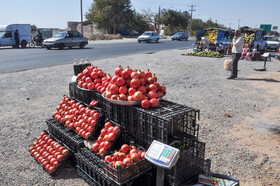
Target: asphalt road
(13, 60)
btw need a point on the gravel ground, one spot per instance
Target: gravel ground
(30, 97)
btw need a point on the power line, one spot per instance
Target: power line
(191, 10)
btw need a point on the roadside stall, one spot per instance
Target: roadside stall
(119, 130)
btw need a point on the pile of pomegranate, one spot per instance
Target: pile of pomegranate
(76, 117)
(90, 77)
(105, 139)
(126, 156)
(48, 152)
(134, 85)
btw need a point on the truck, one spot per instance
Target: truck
(7, 34)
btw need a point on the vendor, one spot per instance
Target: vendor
(204, 42)
(220, 48)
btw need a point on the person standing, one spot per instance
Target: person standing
(237, 45)
(16, 38)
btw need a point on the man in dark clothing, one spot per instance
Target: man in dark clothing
(16, 38)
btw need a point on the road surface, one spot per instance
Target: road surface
(13, 60)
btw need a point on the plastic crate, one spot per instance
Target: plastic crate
(65, 135)
(83, 95)
(61, 164)
(165, 123)
(93, 175)
(189, 165)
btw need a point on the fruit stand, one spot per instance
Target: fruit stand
(107, 123)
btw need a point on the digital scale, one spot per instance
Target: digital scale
(163, 156)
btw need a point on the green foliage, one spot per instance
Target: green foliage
(109, 14)
(175, 20)
(199, 24)
(205, 54)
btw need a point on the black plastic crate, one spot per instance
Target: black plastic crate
(65, 135)
(165, 123)
(83, 95)
(94, 175)
(189, 165)
(62, 163)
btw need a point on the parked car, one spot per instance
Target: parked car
(149, 36)
(7, 34)
(66, 39)
(180, 36)
(271, 43)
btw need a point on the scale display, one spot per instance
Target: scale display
(162, 155)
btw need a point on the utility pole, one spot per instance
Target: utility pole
(238, 23)
(191, 10)
(158, 19)
(82, 24)
(229, 25)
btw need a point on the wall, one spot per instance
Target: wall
(88, 29)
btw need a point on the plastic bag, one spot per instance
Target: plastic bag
(227, 64)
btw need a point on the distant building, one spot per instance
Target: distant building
(88, 28)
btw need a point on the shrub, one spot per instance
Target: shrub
(104, 36)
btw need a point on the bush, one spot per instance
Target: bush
(104, 36)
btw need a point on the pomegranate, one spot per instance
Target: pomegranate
(110, 129)
(145, 104)
(133, 151)
(102, 144)
(153, 87)
(94, 75)
(107, 144)
(163, 88)
(121, 156)
(125, 74)
(120, 81)
(127, 162)
(142, 89)
(135, 83)
(100, 139)
(130, 98)
(114, 97)
(116, 129)
(151, 80)
(143, 155)
(114, 79)
(114, 89)
(118, 71)
(148, 74)
(95, 147)
(123, 97)
(102, 152)
(154, 77)
(135, 157)
(152, 94)
(143, 81)
(141, 74)
(138, 96)
(108, 124)
(127, 81)
(111, 136)
(134, 74)
(108, 158)
(131, 91)
(119, 163)
(122, 90)
(124, 148)
(154, 102)
(103, 132)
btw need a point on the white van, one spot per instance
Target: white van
(7, 34)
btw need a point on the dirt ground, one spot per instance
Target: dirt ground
(260, 133)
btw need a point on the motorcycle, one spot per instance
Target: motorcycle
(36, 41)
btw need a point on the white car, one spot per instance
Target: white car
(271, 43)
(148, 37)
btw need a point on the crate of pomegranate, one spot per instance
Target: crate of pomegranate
(78, 117)
(126, 164)
(65, 135)
(49, 152)
(89, 82)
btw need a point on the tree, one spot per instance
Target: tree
(109, 14)
(199, 24)
(152, 17)
(175, 20)
(137, 22)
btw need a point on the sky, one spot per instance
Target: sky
(56, 13)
